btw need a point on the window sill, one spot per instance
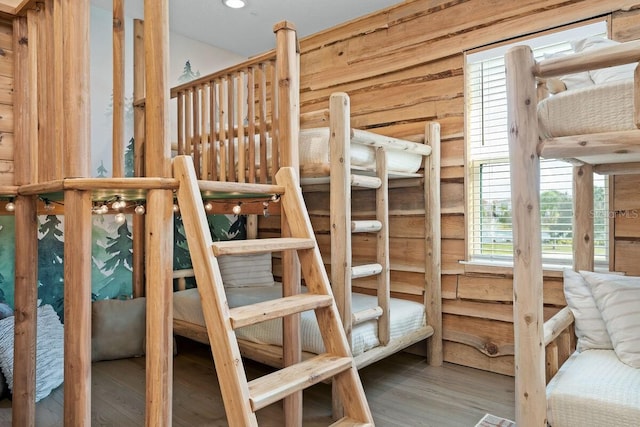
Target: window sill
(506, 268)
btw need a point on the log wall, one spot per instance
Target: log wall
(404, 66)
(6, 104)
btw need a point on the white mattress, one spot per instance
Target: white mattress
(593, 109)
(314, 149)
(406, 316)
(594, 389)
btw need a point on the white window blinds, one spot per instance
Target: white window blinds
(490, 225)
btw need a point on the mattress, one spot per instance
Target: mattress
(594, 388)
(406, 316)
(592, 109)
(314, 149)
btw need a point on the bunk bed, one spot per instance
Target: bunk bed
(210, 106)
(593, 387)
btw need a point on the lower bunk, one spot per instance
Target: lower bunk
(598, 384)
(263, 342)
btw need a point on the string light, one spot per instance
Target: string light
(139, 210)
(208, 206)
(10, 206)
(120, 218)
(48, 206)
(275, 198)
(265, 209)
(237, 209)
(176, 208)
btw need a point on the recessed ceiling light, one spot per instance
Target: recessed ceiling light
(234, 4)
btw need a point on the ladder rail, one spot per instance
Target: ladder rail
(232, 377)
(382, 247)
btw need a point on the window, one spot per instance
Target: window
(490, 230)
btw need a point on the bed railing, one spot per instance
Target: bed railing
(237, 123)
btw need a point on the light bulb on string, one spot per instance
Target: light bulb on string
(139, 210)
(48, 206)
(265, 209)
(10, 206)
(120, 218)
(176, 208)
(275, 198)
(237, 209)
(208, 206)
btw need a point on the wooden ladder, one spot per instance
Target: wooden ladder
(242, 398)
(343, 180)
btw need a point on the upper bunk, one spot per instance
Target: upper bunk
(597, 122)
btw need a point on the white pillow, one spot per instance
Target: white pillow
(246, 270)
(618, 298)
(590, 328)
(49, 351)
(604, 75)
(571, 81)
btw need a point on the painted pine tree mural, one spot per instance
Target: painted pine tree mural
(102, 171)
(7, 256)
(128, 159)
(187, 73)
(51, 264)
(117, 267)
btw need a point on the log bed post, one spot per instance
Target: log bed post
(432, 217)
(159, 225)
(288, 94)
(527, 247)
(583, 238)
(77, 228)
(118, 89)
(26, 237)
(138, 153)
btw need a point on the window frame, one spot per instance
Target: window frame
(473, 211)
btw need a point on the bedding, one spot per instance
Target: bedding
(591, 109)
(406, 316)
(594, 388)
(314, 149)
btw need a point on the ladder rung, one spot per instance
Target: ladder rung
(366, 314)
(349, 422)
(239, 187)
(259, 246)
(280, 384)
(365, 226)
(364, 181)
(365, 270)
(273, 309)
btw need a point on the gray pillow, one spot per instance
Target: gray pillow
(49, 351)
(118, 329)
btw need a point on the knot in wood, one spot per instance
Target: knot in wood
(621, 151)
(285, 82)
(23, 40)
(513, 130)
(491, 348)
(582, 143)
(528, 319)
(587, 238)
(527, 101)
(2, 52)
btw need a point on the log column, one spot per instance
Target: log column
(77, 228)
(528, 318)
(159, 225)
(288, 116)
(26, 242)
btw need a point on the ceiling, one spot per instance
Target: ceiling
(248, 31)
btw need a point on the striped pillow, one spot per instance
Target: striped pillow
(246, 270)
(618, 298)
(591, 330)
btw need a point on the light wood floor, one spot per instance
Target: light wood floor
(402, 391)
